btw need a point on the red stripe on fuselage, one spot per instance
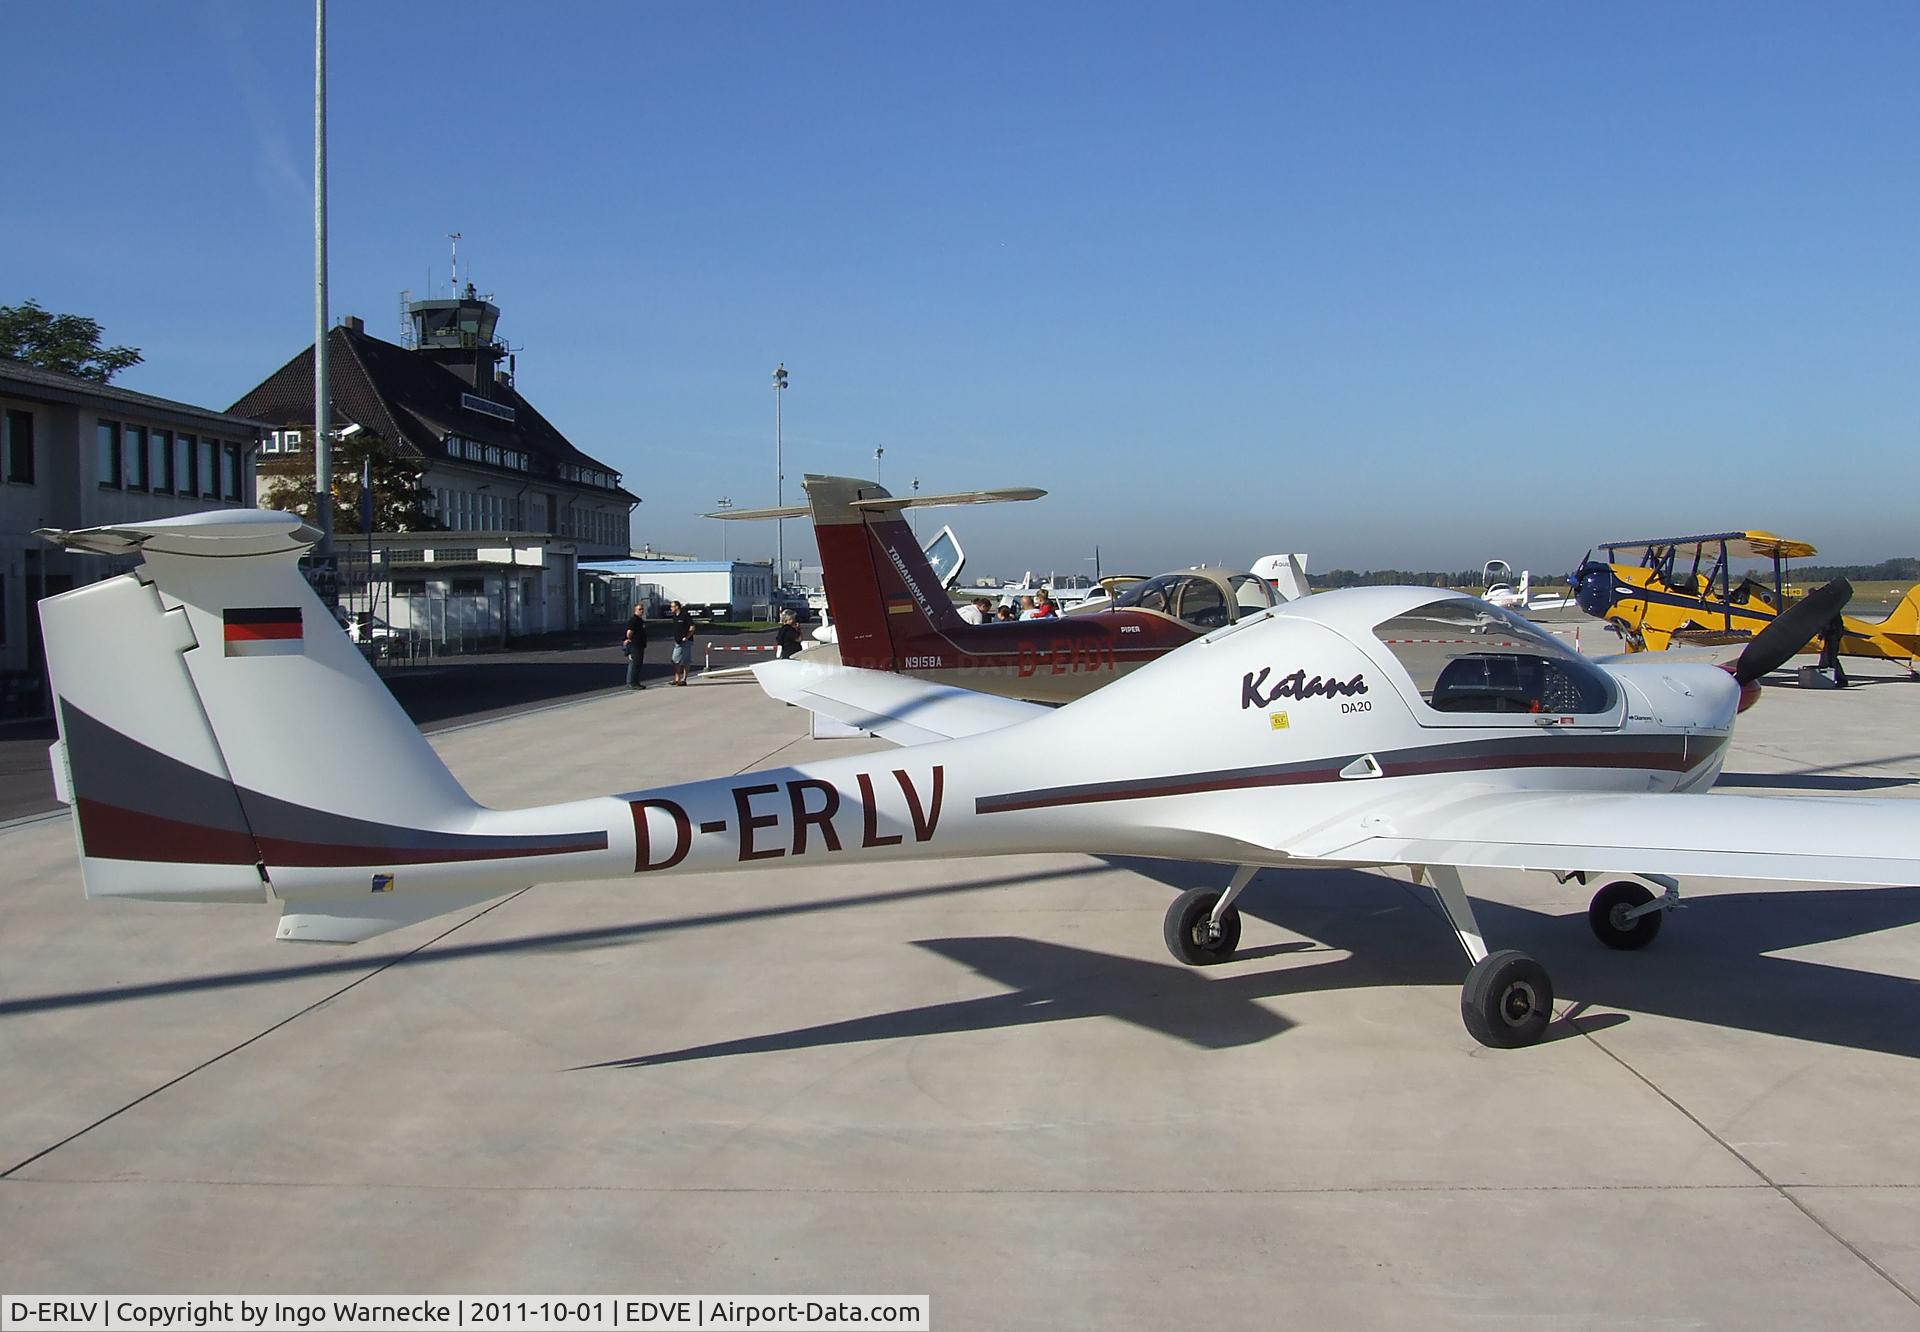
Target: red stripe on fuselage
(1153, 789)
(114, 833)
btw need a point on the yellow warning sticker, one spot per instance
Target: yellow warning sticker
(1277, 720)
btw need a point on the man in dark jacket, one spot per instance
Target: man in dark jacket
(682, 641)
(636, 646)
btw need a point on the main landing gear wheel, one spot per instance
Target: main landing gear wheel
(1607, 914)
(1507, 1001)
(1191, 934)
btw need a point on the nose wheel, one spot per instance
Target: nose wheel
(1626, 915)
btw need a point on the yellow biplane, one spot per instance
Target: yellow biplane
(1683, 591)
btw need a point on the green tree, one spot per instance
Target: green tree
(399, 500)
(67, 343)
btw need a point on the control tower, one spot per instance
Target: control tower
(458, 334)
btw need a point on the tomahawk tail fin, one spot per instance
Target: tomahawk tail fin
(881, 590)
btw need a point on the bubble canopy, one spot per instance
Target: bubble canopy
(1465, 655)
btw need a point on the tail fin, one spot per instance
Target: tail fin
(1285, 574)
(222, 740)
(1902, 624)
(881, 590)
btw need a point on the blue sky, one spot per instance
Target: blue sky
(1393, 284)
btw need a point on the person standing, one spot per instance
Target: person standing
(1043, 606)
(788, 638)
(682, 641)
(636, 646)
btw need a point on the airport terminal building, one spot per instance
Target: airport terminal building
(515, 505)
(78, 453)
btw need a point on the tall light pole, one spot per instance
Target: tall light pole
(878, 454)
(723, 504)
(915, 513)
(779, 477)
(322, 444)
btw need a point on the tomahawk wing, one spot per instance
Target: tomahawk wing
(900, 708)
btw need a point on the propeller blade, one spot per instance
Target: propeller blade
(1792, 630)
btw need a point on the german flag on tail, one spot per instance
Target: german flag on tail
(264, 631)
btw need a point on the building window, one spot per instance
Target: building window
(290, 440)
(186, 470)
(210, 469)
(107, 441)
(466, 587)
(134, 452)
(271, 444)
(20, 447)
(160, 461)
(231, 455)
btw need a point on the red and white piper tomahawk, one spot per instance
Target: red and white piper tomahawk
(891, 612)
(1369, 727)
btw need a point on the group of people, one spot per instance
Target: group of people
(680, 619)
(1039, 606)
(680, 622)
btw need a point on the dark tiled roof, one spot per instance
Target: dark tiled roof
(31, 381)
(412, 401)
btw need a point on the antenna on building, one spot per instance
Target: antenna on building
(454, 236)
(406, 320)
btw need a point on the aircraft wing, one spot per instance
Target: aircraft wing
(1708, 836)
(899, 708)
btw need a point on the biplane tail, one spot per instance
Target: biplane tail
(222, 740)
(1902, 625)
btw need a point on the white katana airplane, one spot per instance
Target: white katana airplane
(1370, 727)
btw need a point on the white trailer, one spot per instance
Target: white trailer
(733, 588)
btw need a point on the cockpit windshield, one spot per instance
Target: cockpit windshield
(1252, 594)
(1153, 595)
(1467, 656)
(1200, 600)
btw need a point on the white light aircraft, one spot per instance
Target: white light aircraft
(1362, 728)
(1497, 577)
